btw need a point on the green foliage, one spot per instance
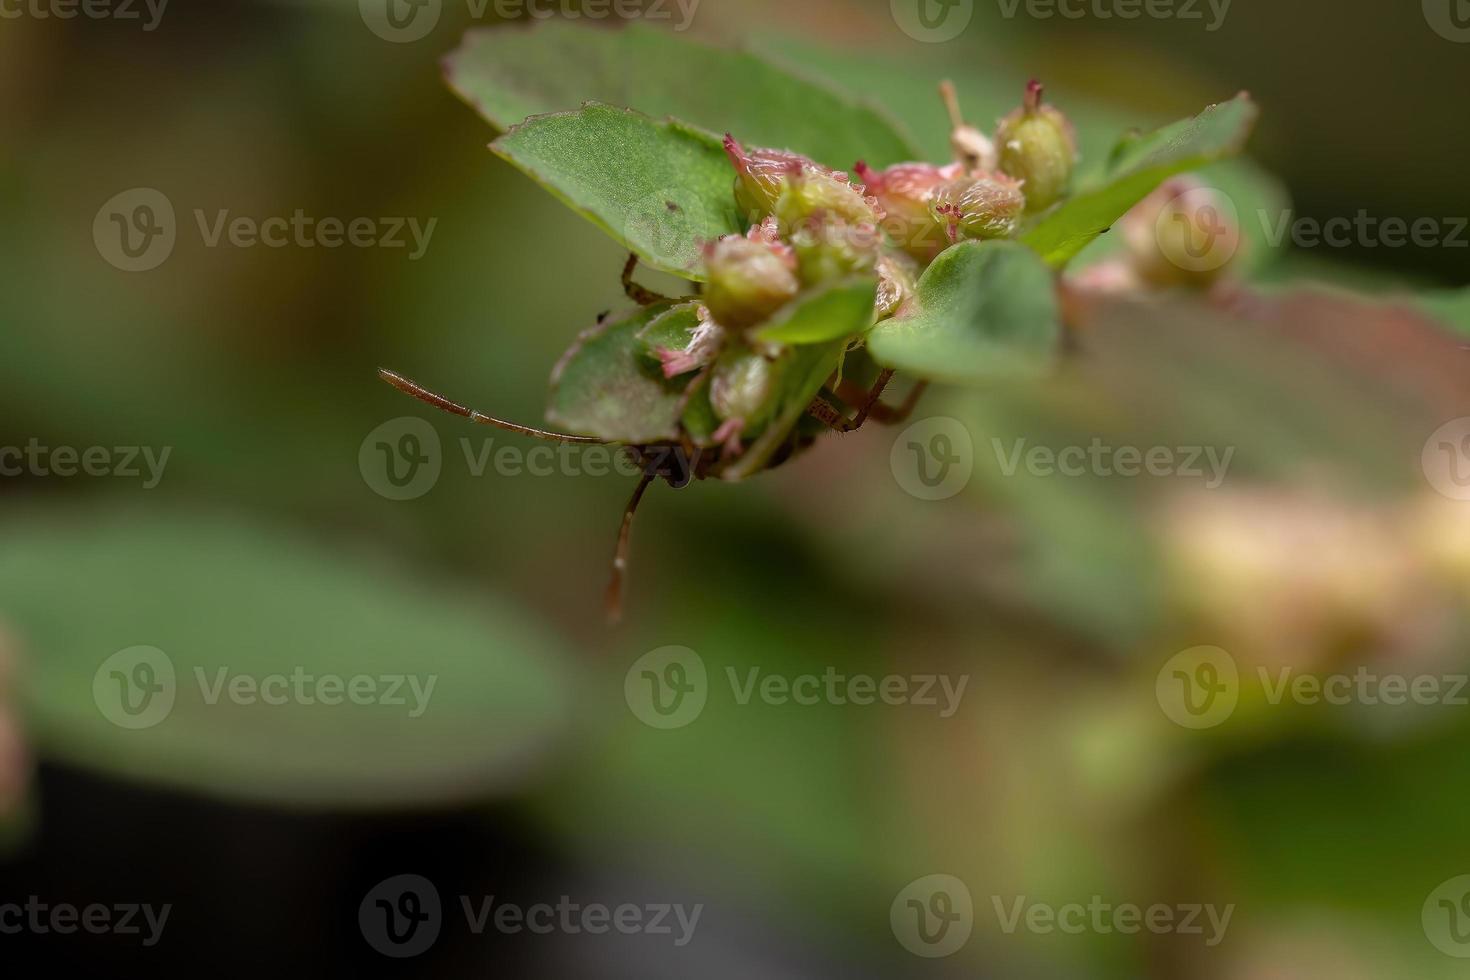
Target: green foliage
(606, 386)
(982, 310)
(1137, 167)
(267, 605)
(662, 189)
(841, 309)
(509, 75)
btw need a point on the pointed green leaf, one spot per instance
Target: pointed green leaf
(508, 75)
(223, 657)
(662, 189)
(1139, 166)
(605, 386)
(843, 309)
(982, 310)
(1450, 307)
(670, 330)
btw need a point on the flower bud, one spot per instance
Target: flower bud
(1184, 234)
(1038, 146)
(897, 274)
(742, 386)
(825, 196)
(828, 249)
(978, 206)
(749, 280)
(904, 191)
(698, 348)
(762, 175)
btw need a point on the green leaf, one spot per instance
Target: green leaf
(671, 330)
(1139, 166)
(223, 600)
(982, 310)
(510, 74)
(606, 387)
(841, 310)
(662, 189)
(1450, 307)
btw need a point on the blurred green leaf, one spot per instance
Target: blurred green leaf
(224, 600)
(1452, 308)
(606, 387)
(662, 189)
(842, 309)
(508, 75)
(982, 310)
(1135, 170)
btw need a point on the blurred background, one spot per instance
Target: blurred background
(202, 549)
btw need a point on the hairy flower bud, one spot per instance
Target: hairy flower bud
(812, 196)
(761, 176)
(904, 191)
(1038, 146)
(742, 386)
(749, 279)
(827, 250)
(897, 274)
(978, 206)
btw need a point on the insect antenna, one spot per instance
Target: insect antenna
(454, 408)
(614, 597)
